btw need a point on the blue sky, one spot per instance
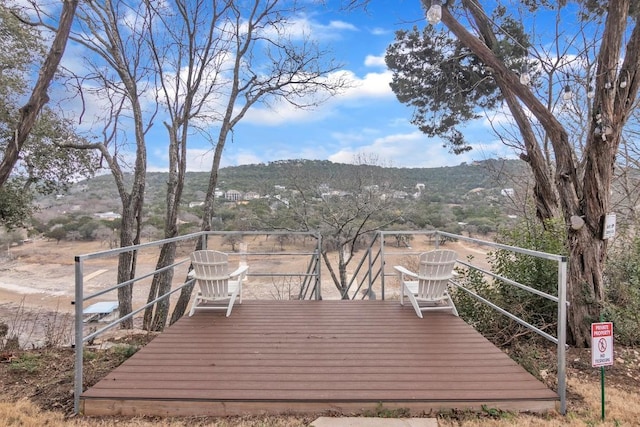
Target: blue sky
(365, 119)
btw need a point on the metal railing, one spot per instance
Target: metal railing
(310, 286)
(380, 255)
(370, 273)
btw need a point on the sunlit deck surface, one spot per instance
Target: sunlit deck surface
(316, 356)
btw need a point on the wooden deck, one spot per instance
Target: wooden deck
(316, 356)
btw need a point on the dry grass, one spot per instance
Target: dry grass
(26, 414)
(622, 409)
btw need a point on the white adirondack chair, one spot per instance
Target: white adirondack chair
(427, 289)
(218, 289)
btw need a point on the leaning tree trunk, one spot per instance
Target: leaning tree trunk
(160, 285)
(589, 196)
(185, 293)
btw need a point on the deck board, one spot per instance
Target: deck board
(314, 356)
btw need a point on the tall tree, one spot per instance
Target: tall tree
(39, 97)
(188, 53)
(571, 180)
(36, 163)
(264, 63)
(119, 75)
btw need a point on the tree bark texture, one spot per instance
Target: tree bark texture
(587, 196)
(161, 284)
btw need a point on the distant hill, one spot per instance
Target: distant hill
(444, 184)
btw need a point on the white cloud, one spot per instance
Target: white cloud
(26, 6)
(379, 31)
(372, 85)
(282, 112)
(375, 61)
(199, 159)
(340, 25)
(412, 149)
(302, 27)
(242, 158)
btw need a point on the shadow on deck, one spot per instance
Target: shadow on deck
(312, 357)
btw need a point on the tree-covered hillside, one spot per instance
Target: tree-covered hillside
(264, 196)
(442, 183)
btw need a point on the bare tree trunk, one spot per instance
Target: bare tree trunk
(30, 111)
(160, 285)
(129, 235)
(185, 296)
(335, 278)
(185, 293)
(293, 70)
(588, 197)
(586, 292)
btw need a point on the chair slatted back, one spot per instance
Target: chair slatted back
(212, 273)
(436, 268)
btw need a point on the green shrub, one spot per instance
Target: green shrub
(622, 305)
(124, 351)
(28, 363)
(534, 272)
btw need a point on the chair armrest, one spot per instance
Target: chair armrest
(403, 270)
(239, 272)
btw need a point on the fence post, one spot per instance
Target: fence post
(79, 335)
(318, 267)
(382, 265)
(562, 334)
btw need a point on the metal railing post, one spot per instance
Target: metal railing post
(318, 267)
(79, 335)
(562, 334)
(370, 274)
(382, 264)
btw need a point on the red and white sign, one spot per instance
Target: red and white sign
(601, 344)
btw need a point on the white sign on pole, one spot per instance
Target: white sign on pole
(609, 226)
(601, 344)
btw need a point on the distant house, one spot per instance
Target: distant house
(233, 195)
(279, 187)
(195, 204)
(251, 195)
(420, 186)
(400, 194)
(507, 192)
(335, 193)
(108, 216)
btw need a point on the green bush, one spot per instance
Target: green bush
(622, 305)
(534, 272)
(28, 363)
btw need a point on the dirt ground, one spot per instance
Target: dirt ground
(37, 279)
